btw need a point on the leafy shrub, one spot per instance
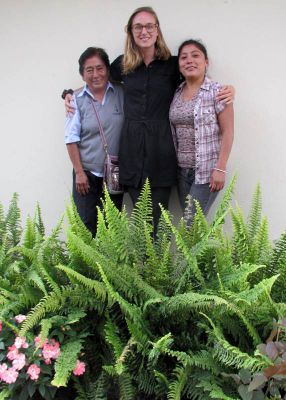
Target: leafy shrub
(169, 316)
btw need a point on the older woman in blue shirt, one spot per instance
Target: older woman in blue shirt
(82, 134)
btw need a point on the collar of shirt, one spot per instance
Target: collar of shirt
(206, 85)
(86, 90)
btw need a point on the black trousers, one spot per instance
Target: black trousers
(87, 204)
(160, 195)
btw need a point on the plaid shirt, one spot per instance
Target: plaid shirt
(207, 132)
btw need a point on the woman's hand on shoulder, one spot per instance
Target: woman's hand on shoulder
(217, 180)
(69, 104)
(226, 94)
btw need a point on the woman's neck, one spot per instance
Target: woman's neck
(194, 83)
(148, 54)
(191, 88)
(98, 94)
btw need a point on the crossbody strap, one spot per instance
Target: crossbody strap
(102, 135)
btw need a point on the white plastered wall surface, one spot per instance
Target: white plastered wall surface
(41, 41)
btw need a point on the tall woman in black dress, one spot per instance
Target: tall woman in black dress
(150, 76)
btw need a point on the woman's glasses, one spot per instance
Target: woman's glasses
(138, 28)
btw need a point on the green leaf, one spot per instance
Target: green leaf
(31, 388)
(42, 390)
(258, 395)
(48, 395)
(244, 393)
(245, 376)
(258, 380)
(24, 394)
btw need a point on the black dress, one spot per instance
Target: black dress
(146, 147)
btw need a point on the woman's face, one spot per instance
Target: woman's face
(192, 62)
(144, 30)
(95, 74)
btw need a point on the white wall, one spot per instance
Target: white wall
(40, 44)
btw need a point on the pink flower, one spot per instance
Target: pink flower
(37, 340)
(34, 372)
(3, 368)
(51, 351)
(20, 318)
(0, 326)
(79, 368)
(19, 362)
(20, 342)
(12, 353)
(10, 375)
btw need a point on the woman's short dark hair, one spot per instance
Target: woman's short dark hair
(196, 43)
(91, 52)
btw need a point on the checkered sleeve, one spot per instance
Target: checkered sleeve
(219, 105)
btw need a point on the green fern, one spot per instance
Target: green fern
(254, 217)
(66, 362)
(223, 206)
(177, 385)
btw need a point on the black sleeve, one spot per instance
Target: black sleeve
(178, 76)
(116, 69)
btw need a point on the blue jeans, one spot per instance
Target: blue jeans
(199, 192)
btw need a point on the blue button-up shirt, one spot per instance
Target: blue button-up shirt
(73, 124)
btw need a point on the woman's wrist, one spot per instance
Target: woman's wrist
(220, 170)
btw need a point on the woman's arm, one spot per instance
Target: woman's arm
(81, 179)
(225, 120)
(72, 138)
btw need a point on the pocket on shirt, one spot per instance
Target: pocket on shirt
(209, 117)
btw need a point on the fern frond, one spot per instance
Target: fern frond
(48, 303)
(200, 222)
(46, 325)
(35, 278)
(91, 284)
(125, 279)
(66, 362)
(118, 228)
(126, 388)
(38, 220)
(130, 310)
(205, 361)
(29, 234)
(254, 216)
(76, 224)
(261, 249)
(230, 355)
(112, 337)
(177, 385)
(182, 245)
(139, 338)
(159, 348)
(12, 221)
(278, 259)
(5, 393)
(142, 211)
(240, 239)
(224, 204)
(238, 277)
(213, 390)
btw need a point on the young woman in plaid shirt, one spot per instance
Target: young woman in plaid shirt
(202, 129)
